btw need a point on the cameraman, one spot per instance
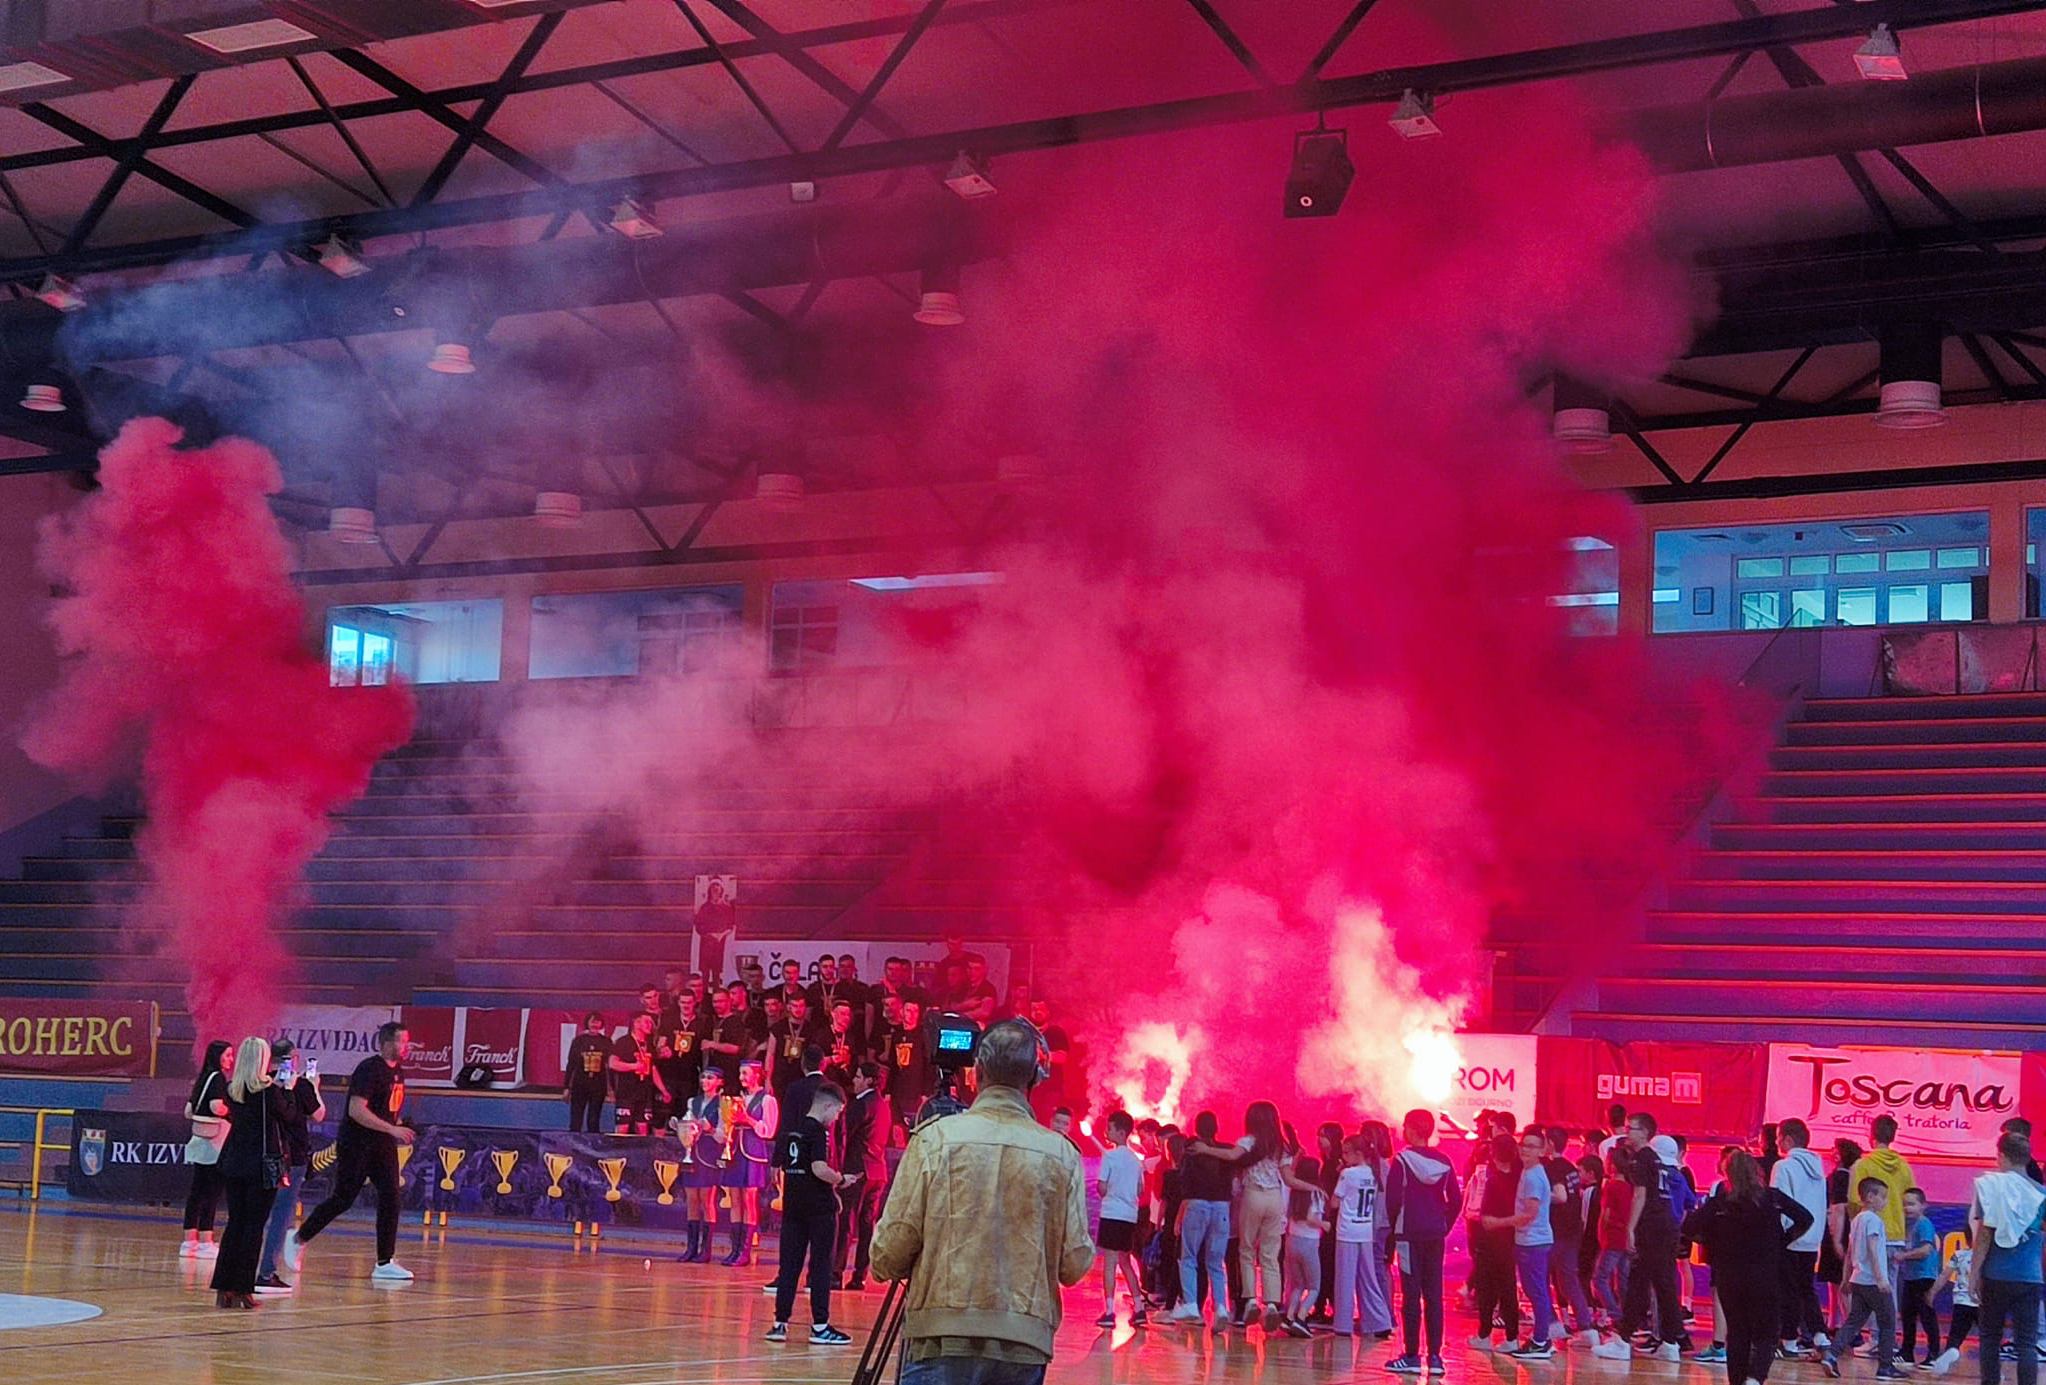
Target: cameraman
(984, 1269)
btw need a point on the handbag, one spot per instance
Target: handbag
(209, 1133)
(273, 1164)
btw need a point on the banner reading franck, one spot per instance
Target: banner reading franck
(1946, 1101)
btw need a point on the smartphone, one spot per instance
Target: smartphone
(312, 1069)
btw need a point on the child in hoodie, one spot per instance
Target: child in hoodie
(1800, 1176)
(1421, 1202)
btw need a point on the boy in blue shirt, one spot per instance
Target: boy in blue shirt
(2007, 1269)
(1917, 1268)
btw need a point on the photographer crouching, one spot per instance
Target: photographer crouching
(986, 1220)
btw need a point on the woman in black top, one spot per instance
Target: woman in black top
(1492, 1283)
(204, 1109)
(1745, 1229)
(1833, 1245)
(257, 1115)
(1329, 1146)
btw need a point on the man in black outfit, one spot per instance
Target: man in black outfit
(588, 1057)
(367, 1152)
(809, 1218)
(867, 1128)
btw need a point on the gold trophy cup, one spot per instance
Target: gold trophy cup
(506, 1160)
(667, 1170)
(557, 1165)
(613, 1170)
(450, 1160)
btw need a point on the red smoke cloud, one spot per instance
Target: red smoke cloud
(186, 636)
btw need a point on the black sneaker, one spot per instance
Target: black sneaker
(823, 1334)
(778, 1333)
(1532, 1350)
(1107, 1319)
(1830, 1364)
(1405, 1365)
(1435, 1366)
(1141, 1318)
(1890, 1372)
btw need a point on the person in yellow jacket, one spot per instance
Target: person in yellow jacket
(1888, 1167)
(986, 1218)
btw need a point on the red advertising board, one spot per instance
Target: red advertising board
(497, 1040)
(1704, 1091)
(548, 1035)
(432, 1063)
(78, 1038)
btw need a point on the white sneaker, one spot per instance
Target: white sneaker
(1669, 1351)
(1613, 1349)
(1821, 1340)
(390, 1272)
(1480, 1344)
(1587, 1338)
(272, 1291)
(292, 1249)
(208, 1250)
(1186, 1312)
(188, 1250)
(1945, 1361)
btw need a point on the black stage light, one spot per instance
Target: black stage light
(1321, 173)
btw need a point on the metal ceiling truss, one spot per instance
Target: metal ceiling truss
(895, 149)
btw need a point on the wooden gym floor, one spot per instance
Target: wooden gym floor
(497, 1308)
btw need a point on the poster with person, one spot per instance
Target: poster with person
(715, 924)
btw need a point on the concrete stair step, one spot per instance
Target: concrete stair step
(1902, 808)
(1917, 731)
(1813, 783)
(1977, 755)
(1620, 1025)
(1877, 896)
(1891, 865)
(1942, 707)
(1880, 836)
(1847, 931)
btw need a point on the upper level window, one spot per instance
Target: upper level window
(620, 634)
(423, 641)
(864, 622)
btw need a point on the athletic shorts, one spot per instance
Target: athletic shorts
(1116, 1235)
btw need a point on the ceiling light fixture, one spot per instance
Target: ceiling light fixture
(779, 490)
(1910, 372)
(60, 293)
(1581, 418)
(44, 399)
(938, 304)
(558, 509)
(247, 38)
(1414, 117)
(341, 257)
(351, 524)
(451, 358)
(969, 178)
(1321, 172)
(22, 76)
(630, 219)
(1881, 59)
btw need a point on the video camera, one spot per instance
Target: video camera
(954, 1041)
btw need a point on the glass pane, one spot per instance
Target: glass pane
(1811, 565)
(1807, 608)
(1960, 557)
(1761, 610)
(1957, 601)
(782, 649)
(1759, 567)
(344, 652)
(1908, 560)
(1857, 605)
(1664, 596)
(376, 660)
(1856, 562)
(1908, 605)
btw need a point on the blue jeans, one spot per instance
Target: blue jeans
(281, 1213)
(1609, 1282)
(969, 1370)
(1203, 1237)
(1533, 1264)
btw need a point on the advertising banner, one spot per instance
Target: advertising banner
(1699, 1090)
(77, 1038)
(128, 1156)
(496, 1039)
(1946, 1101)
(432, 1063)
(548, 1035)
(337, 1037)
(1497, 1073)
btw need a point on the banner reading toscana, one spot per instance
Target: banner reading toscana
(1946, 1101)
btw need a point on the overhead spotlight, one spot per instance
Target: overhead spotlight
(351, 524)
(630, 219)
(44, 399)
(558, 509)
(1414, 117)
(968, 177)
(451, 358)
(1910, 393)
(938, 304)
(802, 191)
(779, 490)
(1581, 420)
(1881, 59)
(60, 294)
(1321, 172)
(341, 258)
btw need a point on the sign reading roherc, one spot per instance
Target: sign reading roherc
(1946, 1101)
(78, 1038)
(1701, 1090)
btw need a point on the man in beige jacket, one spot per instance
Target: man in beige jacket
(987, 1218)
